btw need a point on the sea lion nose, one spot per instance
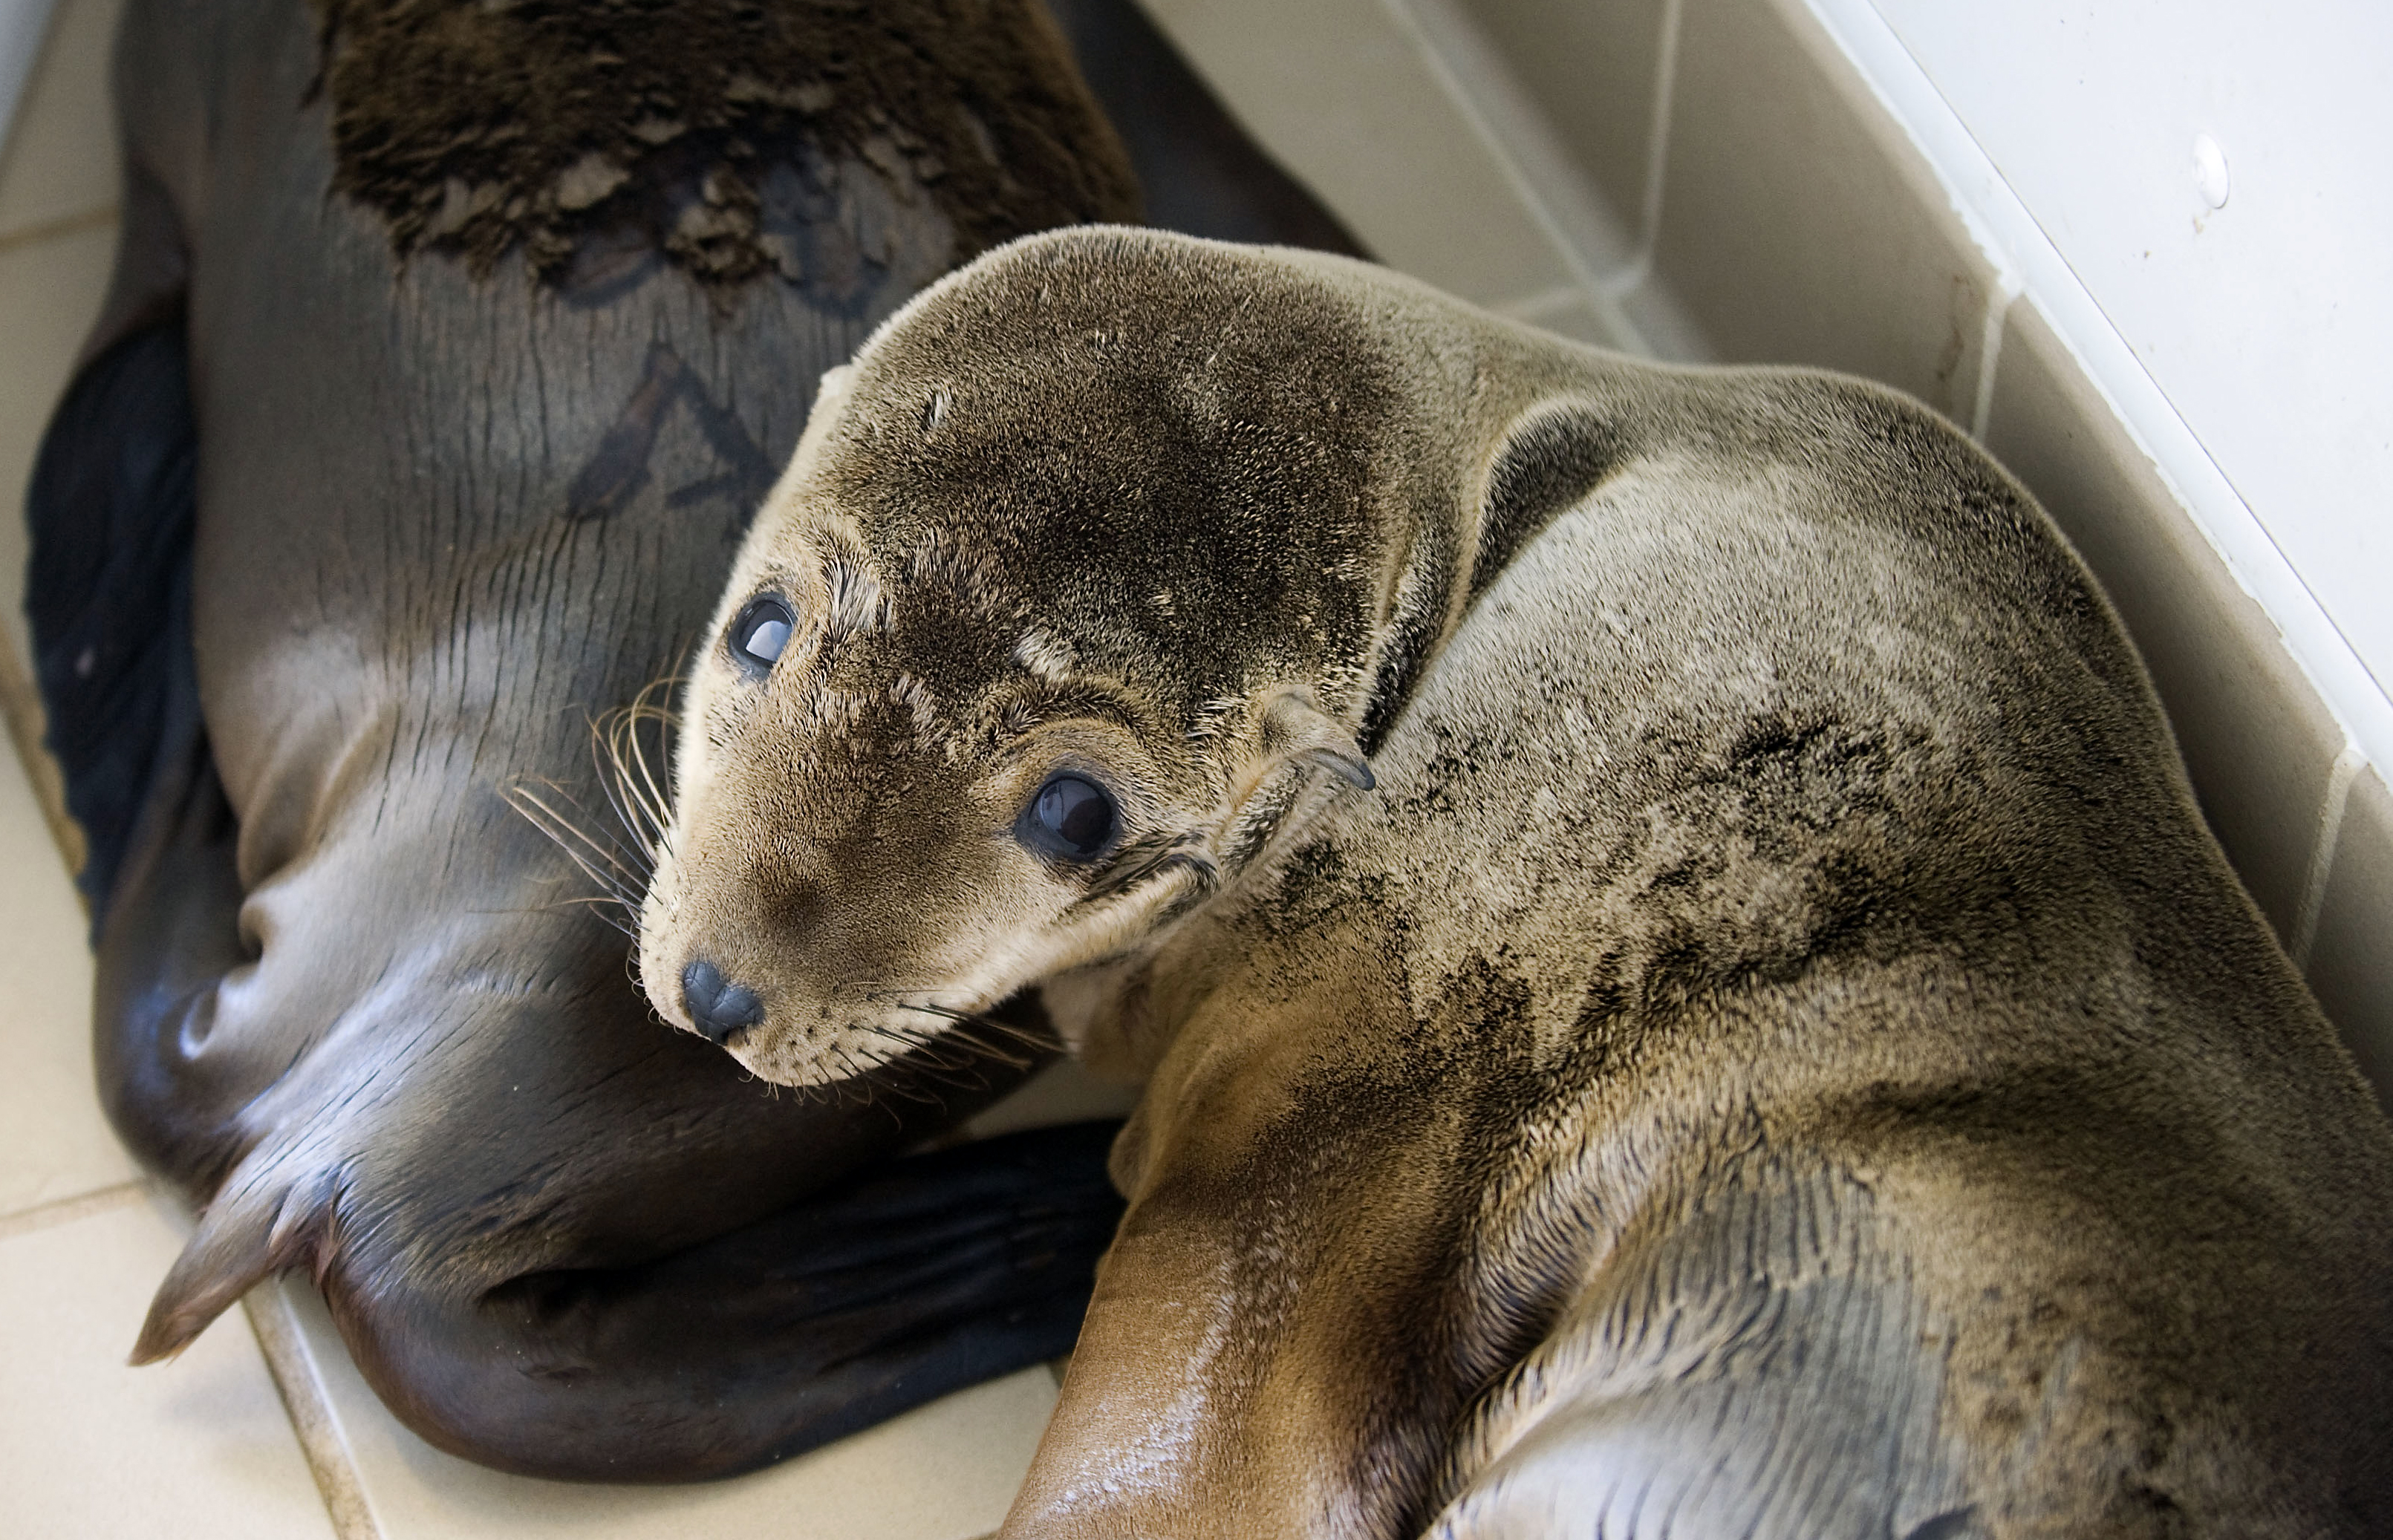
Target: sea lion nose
(721, 1011)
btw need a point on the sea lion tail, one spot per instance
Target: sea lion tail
(249, 1233)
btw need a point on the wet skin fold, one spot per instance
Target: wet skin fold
(312, 589)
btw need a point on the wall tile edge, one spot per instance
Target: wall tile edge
(2017, 246)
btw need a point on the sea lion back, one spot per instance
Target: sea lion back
(1951, 1149)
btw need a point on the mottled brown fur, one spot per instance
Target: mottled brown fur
(1776, 1053)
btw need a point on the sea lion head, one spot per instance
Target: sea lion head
(1063, 604)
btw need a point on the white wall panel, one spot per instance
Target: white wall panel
(2267, 322)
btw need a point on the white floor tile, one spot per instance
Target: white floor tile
(54, 1143)
(198, 1449)
(945, 1472)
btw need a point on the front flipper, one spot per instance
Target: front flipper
(108, 593)
(928, 1275)
(720, 1354)
(108, 586)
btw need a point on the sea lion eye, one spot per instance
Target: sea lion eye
(762, 631)
(1071, 817)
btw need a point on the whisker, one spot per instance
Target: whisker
(557, 827)
(639, 794)
(610, 747)
(616, 744)
(974, 1022)
(643, 709)
(563, 835)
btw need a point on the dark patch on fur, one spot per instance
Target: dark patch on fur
(1959, 1525)
(474, 128)
(1546, 467)
(1416, 630)
(619, 466)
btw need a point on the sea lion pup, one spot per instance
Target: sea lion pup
(1681, 987)
(450, 349)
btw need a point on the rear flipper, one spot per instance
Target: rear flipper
(1761, 1368)
(934, 1273)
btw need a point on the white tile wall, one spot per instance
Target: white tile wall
(1596, 70)
(2266, 322)
(1796, 224)
(1340, 91)
(2258, 745)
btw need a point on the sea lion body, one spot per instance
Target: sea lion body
(383, 478)
(1774, 1051)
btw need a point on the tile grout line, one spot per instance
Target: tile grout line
(1989, 349)
(65, 225)
(2347, 769)
(1601, 292)
(57, 1211)
(313, 1421)
(1657, 149)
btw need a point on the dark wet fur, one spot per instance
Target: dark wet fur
(476, 128)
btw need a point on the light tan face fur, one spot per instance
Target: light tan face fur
(854, 837)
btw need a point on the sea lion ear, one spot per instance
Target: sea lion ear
(1295, 728)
